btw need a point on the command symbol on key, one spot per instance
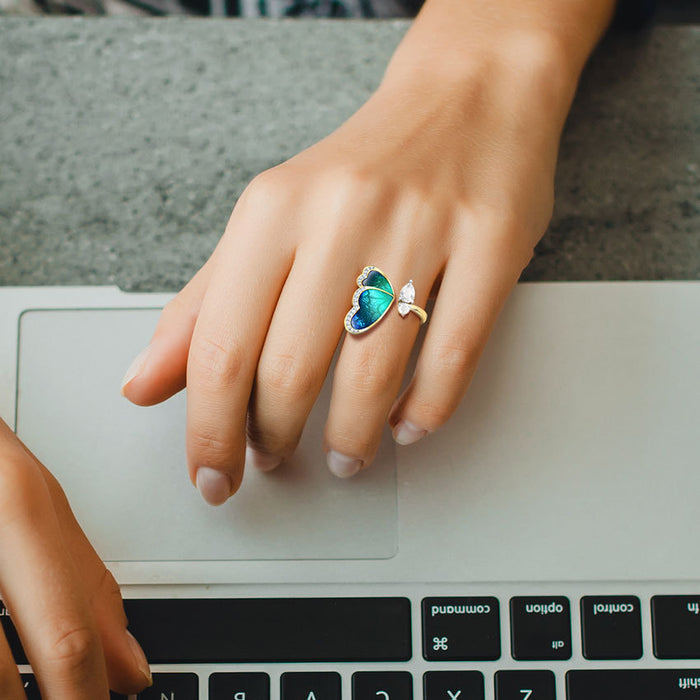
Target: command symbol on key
(440, 643)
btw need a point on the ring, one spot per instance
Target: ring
(374, 297)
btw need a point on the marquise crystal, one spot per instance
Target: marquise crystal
(407, 296)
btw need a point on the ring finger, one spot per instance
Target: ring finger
(369, 372)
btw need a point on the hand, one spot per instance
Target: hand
(64, 603)
(445, 176)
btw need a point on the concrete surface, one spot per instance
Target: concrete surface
(125, 142)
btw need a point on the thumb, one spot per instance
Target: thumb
(159, 371)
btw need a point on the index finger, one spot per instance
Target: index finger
(228, 337)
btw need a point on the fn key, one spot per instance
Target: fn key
(676, 623)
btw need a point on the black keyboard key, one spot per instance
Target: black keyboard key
(11, 635)
(453, 685)
(525, 685)
(239, 686)
(611, 627)
(676, 625)
(172, 686)
(272, 630)
(310, 686)
(540, 628)
(644, 684)
(31, 688)
(382, 685)
(461, 629)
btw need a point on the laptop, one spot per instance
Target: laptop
(543, 544)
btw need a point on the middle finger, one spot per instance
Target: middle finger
(370, 369)
(303, 335)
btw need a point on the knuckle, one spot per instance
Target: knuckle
(75, 650)
(370, 375)
(265, 191)
(506, 236)
(432, 414)
(214, 364)
(455, 358)
(347, 188)
(353, 180)
(289, 377)
(174, 308)
(213, 449)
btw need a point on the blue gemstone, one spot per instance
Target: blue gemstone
(373, 303)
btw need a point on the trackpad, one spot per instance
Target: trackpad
(123, 467)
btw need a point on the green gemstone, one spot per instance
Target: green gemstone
(378, 280)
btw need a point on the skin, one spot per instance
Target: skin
(64, 603)
(445, 176)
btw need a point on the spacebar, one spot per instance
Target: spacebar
(668, 684)
(221, 630)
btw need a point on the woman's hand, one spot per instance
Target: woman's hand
(64, 603)
(445, 176)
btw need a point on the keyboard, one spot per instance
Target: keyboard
(435, 642)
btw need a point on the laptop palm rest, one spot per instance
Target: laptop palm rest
(574, 456)
(123, 467)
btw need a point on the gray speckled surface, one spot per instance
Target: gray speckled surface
(124, 143)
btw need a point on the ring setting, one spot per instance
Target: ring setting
(373, 299)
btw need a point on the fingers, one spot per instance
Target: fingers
(158, 371)
(295, 358)
(226, 344)
(127, 668)
(473, 291)
(369, 372)
(10, 681)
(41, 586)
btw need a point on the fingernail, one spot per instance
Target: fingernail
(342, 465)
(260, 460)
(140, 658)
(214, 485)
(136, 367)
(405, 433)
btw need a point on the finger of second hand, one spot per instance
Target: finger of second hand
(127, 667)
(11, 687)
(41, 587)
(226, 345)
(367, 379)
